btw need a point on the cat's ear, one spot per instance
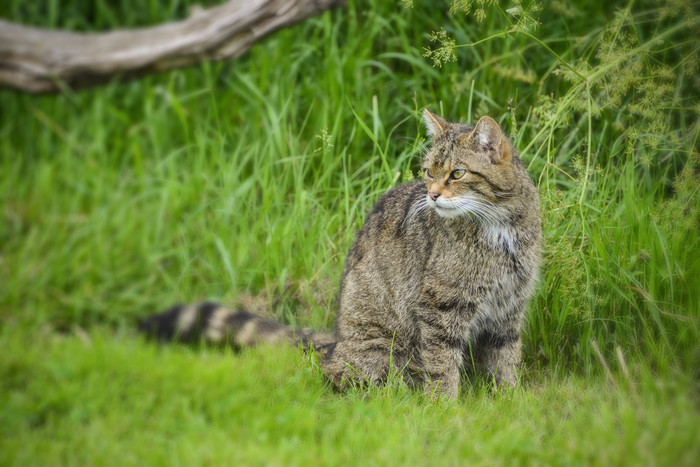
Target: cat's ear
(435, 124)
(487, 135)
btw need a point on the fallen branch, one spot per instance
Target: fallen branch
(38, 60)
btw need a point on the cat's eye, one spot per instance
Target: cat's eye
(457, 174)
(428, 173)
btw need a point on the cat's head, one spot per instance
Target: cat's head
(468, 170)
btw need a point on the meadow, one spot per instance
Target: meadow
(245, 182)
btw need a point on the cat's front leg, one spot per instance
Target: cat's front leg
(502, 358)
(442, 378)
(441, 357)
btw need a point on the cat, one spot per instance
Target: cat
(438, 277)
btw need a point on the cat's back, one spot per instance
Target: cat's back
(393, 227)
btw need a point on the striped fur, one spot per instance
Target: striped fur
(438, 277)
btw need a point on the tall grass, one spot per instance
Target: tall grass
(249, 179)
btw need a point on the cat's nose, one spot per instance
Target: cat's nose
(433, 195)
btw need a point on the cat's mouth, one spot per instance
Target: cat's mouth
(444, 208)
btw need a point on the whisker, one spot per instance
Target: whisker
(417, 144)
(419, 205)
(483, 210)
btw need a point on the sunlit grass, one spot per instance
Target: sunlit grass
(113, 400)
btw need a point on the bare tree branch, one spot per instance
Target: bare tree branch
(38, 60)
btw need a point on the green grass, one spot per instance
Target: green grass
(117, 401)
(251, 177)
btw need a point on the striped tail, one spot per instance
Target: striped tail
(216, 324)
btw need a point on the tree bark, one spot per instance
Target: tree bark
(38, 60)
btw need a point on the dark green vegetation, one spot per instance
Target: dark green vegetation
(251, 178)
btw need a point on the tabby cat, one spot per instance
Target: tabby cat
(438, 277)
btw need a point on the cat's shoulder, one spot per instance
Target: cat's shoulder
(402, 196)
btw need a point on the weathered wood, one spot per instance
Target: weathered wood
(38, 60)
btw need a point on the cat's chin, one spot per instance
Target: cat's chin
(447, 212)
(444, 208)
